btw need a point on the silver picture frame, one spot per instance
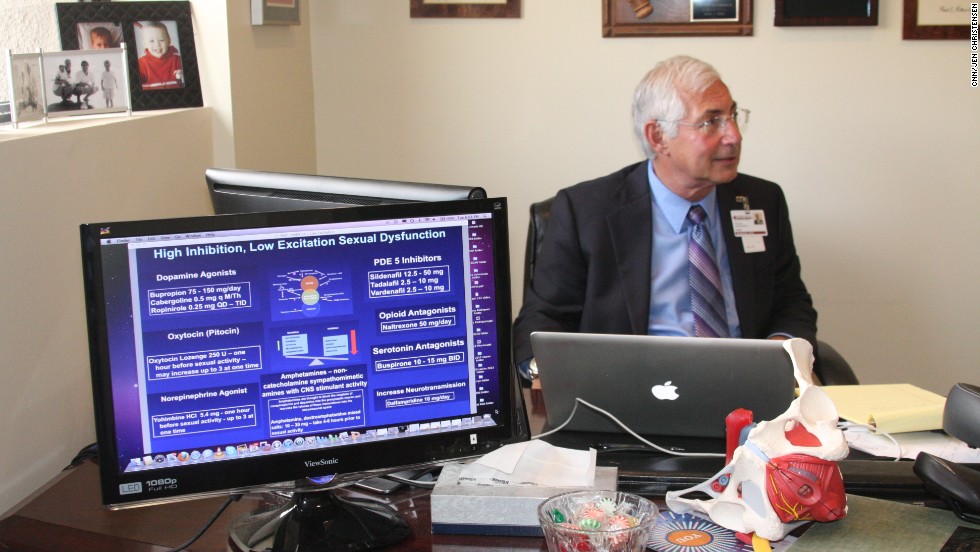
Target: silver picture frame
(85, 82)
(26, 88)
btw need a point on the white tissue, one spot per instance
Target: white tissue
(532, 463)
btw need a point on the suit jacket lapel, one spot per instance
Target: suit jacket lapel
(631, 232)
(738, 261)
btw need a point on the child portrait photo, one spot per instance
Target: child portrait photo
(99, 35)
(160, 65)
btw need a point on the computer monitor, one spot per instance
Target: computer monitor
(269, 350)
(240, 191)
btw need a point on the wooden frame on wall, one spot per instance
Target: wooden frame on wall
(627, 18)
(473, 9)
(936, 20)
(814, 13)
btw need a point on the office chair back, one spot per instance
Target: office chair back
(830, 366)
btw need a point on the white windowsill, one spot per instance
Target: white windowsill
(69, 124)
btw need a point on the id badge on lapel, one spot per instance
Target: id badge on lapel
(750, 225)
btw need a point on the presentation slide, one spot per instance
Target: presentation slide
(254, 341)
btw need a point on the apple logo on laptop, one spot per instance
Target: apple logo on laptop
(665, 391)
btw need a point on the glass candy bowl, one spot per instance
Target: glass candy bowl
(597, 521)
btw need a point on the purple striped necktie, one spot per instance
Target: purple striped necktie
(707, 303)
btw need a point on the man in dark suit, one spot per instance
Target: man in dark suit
(615, 255)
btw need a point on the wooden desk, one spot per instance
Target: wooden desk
(66, 515)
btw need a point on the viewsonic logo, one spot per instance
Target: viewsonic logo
(321, 462)
(665, 391)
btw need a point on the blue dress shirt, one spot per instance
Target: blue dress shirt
(670, 292)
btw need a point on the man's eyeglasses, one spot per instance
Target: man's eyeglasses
(718, 123)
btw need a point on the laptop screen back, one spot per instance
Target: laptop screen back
(660, 385)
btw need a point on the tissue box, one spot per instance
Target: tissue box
(501, 511)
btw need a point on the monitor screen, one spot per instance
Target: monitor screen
(266, 350)
(240, 191)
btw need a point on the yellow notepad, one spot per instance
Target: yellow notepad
(892, 408)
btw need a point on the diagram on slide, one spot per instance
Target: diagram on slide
(318, 347)
(309, 293)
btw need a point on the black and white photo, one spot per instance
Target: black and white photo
(85, 82)
(27, 103)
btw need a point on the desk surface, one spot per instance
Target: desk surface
(66, 514)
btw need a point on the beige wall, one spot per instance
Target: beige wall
(56, 177)
(25, 26)
(272, 93)
(875, 140)
(258, 82)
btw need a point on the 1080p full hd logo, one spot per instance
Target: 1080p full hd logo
(164, 483)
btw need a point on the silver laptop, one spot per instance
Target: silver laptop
(660, 385)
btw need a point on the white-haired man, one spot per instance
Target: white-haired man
(678, 244)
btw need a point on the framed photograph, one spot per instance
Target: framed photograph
(26, 88)
(275, 12)
(96, 35)
(816, 13)
(628, 18)
(936, 20)
(466, 8)
(159, 39)
(85, 82)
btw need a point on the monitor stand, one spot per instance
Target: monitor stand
(321, 521)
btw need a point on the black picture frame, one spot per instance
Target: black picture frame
(820, 13)
(130, 18)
